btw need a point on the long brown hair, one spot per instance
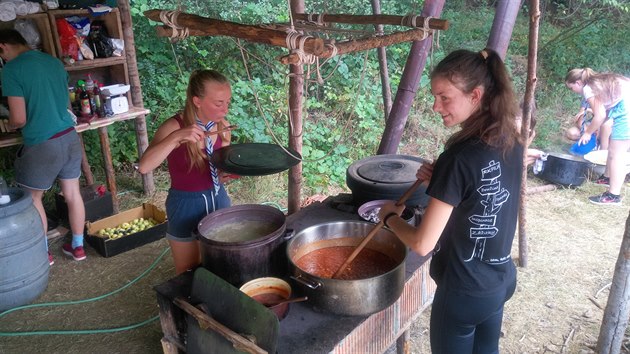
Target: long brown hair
(196, 88)
(608, 87)
(579, 74)
(495, 121)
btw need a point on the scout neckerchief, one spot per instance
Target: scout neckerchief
(209, 148)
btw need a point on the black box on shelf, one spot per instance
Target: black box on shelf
(108, 246)
(97, 204)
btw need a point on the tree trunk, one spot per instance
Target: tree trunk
(615, 321)
(382, 63)
(502, 26)
(296, 92)
(528, 109)
(408, 85)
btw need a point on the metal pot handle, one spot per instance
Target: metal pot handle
(539, 164)
(313, 284)
(288, 234)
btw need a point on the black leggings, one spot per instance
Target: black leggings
(462, 324)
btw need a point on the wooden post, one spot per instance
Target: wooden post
(613, 329)
(503, 25)
(409, 82)
(296, 91)
(203, 26)
(382, 63)
(110, 175)
(528, 108)
(85, 164)
(142, 138)
(362, 44)
(376, 19)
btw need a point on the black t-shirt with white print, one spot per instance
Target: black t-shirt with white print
(473, 253)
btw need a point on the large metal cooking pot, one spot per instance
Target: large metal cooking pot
(563, 169)
(385, 177)
(243, 242)
(348, 297)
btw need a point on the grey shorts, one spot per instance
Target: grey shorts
(38, 166)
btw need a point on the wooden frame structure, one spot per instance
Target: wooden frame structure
(175, 23)
(276, 35)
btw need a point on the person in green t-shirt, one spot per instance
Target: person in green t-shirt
(36, 87)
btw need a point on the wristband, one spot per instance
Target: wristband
(387, 218)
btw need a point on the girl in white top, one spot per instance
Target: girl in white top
(609, 97)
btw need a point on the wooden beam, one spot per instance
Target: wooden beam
(377, 19)
(203, 26)
(142, 137)
(110, 174)
(362, 44)
(205, 322)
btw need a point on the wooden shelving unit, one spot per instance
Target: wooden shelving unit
(109, 71)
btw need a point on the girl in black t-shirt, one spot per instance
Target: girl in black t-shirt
(470, 220)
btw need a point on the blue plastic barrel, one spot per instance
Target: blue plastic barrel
(23, 258)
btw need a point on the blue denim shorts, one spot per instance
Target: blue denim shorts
(620, 114)
(38, 166)
(186, 209)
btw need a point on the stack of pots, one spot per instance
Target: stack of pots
(385, 177)
(238, 260)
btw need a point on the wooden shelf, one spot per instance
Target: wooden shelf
(11, 139)
(132, 113)
(95, 63)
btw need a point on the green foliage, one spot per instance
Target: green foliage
(343, 116)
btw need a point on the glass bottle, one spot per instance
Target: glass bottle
(84, 99)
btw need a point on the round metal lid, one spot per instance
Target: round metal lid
(389, 168)
(255, 159)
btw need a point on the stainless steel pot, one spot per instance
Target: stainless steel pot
(348, 297)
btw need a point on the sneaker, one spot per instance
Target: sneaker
(51, 260)
(77, 253)
(605, 198)
(603, 181)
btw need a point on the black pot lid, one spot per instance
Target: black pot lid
(389, 168)
(255, 159)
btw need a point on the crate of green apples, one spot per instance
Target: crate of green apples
(126, 230)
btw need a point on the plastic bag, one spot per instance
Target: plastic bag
(28, 30)
(99, 40)
(67, 39)
(118, 45)
(81, 24)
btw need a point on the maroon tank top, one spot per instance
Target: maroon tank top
(182, 179)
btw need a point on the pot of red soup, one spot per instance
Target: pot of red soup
(243, 242)
(373, 281)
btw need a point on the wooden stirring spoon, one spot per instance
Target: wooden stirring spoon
(288, 301)
(376, 228)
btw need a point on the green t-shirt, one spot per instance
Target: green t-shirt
(43, 82)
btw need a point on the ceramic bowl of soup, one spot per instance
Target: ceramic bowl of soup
(269, 291)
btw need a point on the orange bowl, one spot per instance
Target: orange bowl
(269, 291)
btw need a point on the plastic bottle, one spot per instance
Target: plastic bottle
(5, 198)
(98, 100)
(89, 87)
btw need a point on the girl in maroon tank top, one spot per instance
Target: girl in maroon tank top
(196, 185)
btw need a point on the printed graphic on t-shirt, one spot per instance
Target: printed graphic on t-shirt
(484, 229)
